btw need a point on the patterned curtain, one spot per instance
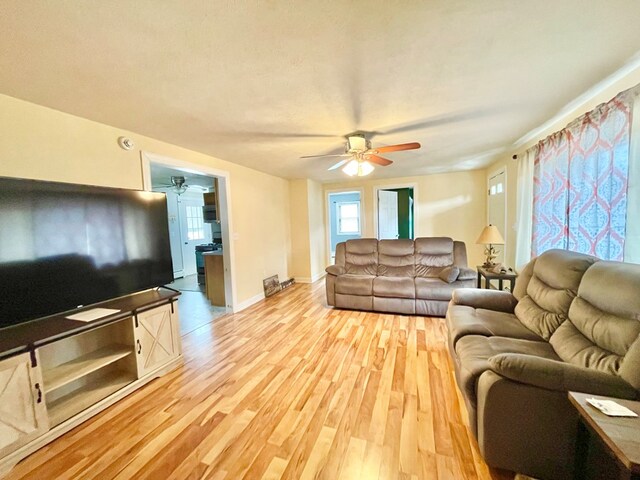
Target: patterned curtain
(580, 183)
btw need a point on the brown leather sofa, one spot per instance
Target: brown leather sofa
(399, 276)
(572, 324)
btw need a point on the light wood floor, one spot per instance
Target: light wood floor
(287, 389)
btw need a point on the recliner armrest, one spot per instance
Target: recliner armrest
(559, 376)
(335, 270)
(467, 273)
(487, 299)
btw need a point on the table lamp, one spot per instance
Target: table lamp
(489, 237)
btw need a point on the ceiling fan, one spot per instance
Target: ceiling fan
(179, 186)
(360, 155)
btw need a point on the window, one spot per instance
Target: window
(348, 218)
(195, 223)
(581, 183)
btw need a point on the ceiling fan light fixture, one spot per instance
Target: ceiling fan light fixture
(358, 168)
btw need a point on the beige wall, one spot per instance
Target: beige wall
(506, 161)
(300, 266)
(446, 204)
(307, 230)
(41, 143)
(317, 231)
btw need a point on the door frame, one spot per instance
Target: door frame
(224, 185)
(393, 186)
(492, 174)
(327, 215)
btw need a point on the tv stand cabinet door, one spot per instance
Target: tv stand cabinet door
(23, 415)
(156, 342)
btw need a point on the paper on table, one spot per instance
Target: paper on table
(611, 408)
(93, 314)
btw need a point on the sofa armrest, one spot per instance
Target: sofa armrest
(559, 376)
(335, 270)
(488, 299)
(467, 273)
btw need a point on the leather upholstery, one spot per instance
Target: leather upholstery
(387, 271)
(572, 323)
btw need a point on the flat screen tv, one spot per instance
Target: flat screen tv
(63, 246)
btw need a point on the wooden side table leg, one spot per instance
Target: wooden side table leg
(479, 280)
(513, 284)
(582, 452)
(500, 284)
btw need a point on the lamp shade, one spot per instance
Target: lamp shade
(490, 235)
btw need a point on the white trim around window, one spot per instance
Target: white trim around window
(348, 225)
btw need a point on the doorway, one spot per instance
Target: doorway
(199, 225)
(345, 218)
(395, 213)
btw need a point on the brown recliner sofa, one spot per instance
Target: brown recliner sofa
(572, 324)
(399, 276)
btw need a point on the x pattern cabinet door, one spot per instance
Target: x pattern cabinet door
(155, 339)
(23, 415)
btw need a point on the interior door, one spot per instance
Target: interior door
(497, 214)
(175, 239)
(387, 214)
(23, 415)
(193, 230)
(156, 339)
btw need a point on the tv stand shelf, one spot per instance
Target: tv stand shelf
(68, 372)
(67, 406)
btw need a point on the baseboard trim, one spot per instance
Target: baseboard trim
(248, 302)
(313, 279)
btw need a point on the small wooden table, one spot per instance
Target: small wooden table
(489, 275)
(620, 436)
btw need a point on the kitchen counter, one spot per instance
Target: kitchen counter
(214, 277)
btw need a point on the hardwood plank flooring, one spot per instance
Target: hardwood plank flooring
(287, 389)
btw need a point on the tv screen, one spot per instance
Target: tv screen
(63, 246)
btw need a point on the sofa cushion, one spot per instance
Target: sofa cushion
(350, 284)
(435, 289)
(553, 286)
(473, 353)
(395, 258)
(463, 320)
(361, 256)
(432, 255)
(394, 287)
(559, 376)
(449, 274)
(604, 322)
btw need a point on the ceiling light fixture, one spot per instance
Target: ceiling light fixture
(179, 185)
(358, 168)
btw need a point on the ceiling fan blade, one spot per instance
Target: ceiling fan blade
(318, 156)
(396, 148)
(378, 160)
(338, 165)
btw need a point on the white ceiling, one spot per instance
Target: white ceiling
(263, 82)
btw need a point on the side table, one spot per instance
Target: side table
(501, 277)
(619, 436)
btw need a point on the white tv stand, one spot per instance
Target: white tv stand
(55, 373)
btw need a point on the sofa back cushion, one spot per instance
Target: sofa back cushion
(361, 256)
(395, 258)
(460, 254)
(432, 255)
(603, 327)
(553, 286)
(524, 277)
